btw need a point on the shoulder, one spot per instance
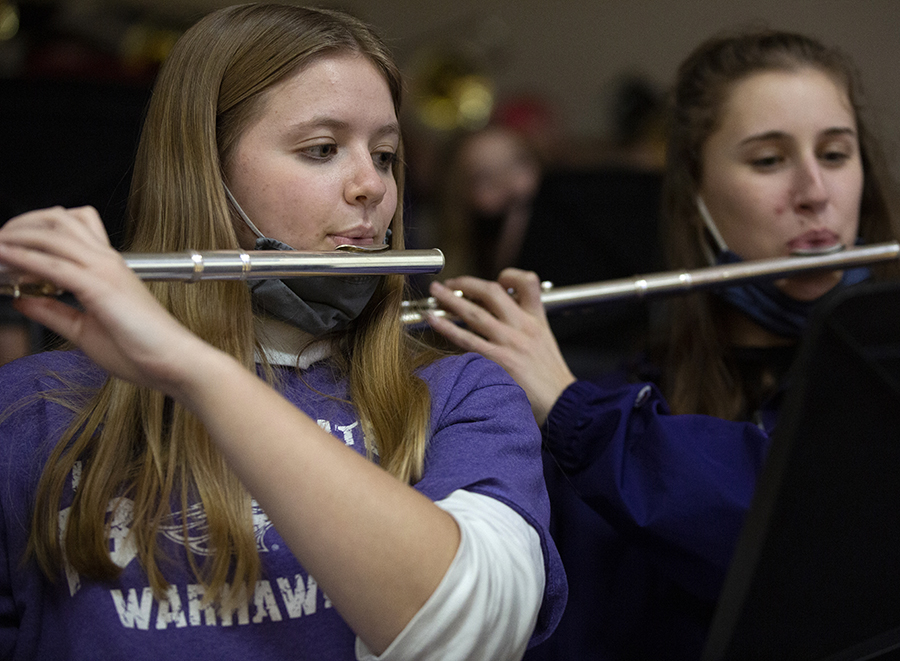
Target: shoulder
(482, 429)
(47, 371)
(464, 372)
(485, 441)
(40, 391)
(471, 387)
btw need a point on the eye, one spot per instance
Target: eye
(766, 162)
(320, 152)
(835, 157)
(384, 160)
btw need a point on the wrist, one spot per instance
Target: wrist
(199, 373)
(542, 405)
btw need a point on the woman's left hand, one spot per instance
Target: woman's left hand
(513, 332)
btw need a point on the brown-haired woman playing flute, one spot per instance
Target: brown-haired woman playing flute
(651, 471)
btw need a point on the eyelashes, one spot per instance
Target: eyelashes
(383, 160)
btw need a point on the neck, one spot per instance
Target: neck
(742, 331)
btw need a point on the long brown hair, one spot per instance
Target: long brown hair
(133, 442)
(700, 378)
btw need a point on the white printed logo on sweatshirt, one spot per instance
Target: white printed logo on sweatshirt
(121, 545)
(275, 600)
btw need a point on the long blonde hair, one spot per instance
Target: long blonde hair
(699, 377)
(134, 442)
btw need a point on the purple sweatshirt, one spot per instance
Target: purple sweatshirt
(483, 440)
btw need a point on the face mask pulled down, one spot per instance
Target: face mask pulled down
(763, 301)
(314, 304)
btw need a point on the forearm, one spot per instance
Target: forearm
(678, 484)
(376, 546)
(486, 607)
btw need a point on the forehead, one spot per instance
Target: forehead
(783, 100)
(331, 83)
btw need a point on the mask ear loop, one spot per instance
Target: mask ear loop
(241, 213)
(721, 246)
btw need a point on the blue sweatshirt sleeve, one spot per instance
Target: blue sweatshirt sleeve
(678, 485)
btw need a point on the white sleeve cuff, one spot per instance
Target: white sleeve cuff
(486, 606)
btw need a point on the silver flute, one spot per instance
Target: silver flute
(679, 282)
(194, 266)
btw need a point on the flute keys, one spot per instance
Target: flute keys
(17, 290)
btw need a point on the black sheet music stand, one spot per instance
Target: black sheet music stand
(816, 573)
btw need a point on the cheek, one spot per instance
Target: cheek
(391, 200)
(292, 211)
(255, 186)
(747, 216)
(851, 205)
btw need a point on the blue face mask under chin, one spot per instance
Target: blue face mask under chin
(770, 307)
(762, 301)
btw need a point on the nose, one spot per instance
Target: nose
(365, 183)
(811, 189)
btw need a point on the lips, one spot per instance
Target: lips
(340, 240)
(362, 234)
(814, 240)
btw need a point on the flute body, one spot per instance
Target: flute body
(193, 266)
(678, 282)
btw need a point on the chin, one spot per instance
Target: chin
(810, 287)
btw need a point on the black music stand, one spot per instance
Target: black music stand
(816, 573)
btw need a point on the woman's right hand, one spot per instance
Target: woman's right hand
(121, 325)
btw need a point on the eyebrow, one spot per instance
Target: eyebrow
(390, 129)
(780, 135)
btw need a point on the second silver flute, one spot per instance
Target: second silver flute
(677, 282)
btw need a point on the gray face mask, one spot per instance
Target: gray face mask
(314, 304)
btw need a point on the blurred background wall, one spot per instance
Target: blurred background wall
(570, 52)
(573, 51)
